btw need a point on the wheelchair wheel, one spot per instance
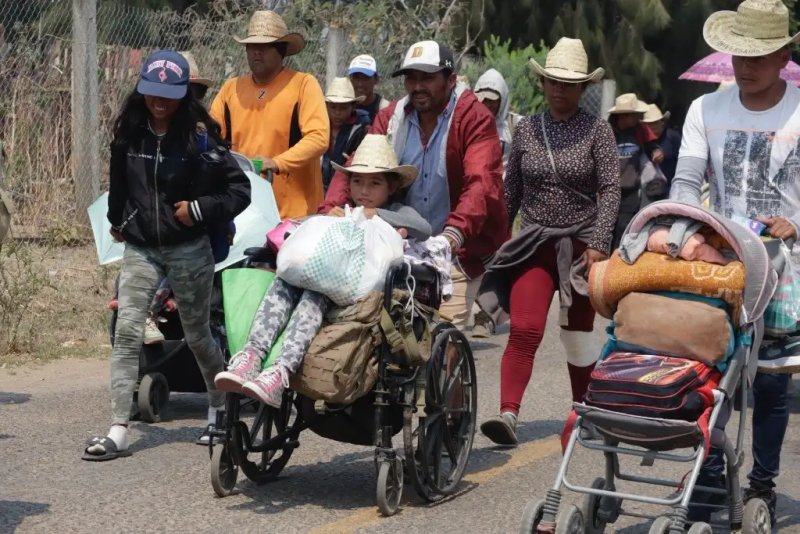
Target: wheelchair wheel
(223, 470)
(253, 445)
(438, 449)
(390, 486)
(152, 397)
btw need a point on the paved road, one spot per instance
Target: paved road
(47, 413)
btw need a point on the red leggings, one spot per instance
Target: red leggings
(531, 294)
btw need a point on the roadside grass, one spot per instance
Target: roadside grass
(54, 303)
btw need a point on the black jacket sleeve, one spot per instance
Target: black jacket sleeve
(117, 184)
(229, 196)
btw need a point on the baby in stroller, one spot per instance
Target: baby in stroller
(375, 180)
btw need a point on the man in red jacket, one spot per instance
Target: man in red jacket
(450, 137)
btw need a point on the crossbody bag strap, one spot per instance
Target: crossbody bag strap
(553, 163)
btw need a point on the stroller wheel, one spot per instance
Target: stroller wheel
(223, 470)
(389, 486)
(569, 520)
(590, 507)
(660, 525)
(532, 516)
(700, 528)
(756, 517)
(152, 397)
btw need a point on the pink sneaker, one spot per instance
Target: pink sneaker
(268, 386)
(244, 366)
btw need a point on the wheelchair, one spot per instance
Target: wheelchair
(434, 406)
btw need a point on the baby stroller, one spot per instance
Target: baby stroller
(434, 406)
(619, 433)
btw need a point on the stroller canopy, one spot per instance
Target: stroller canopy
(760, 277)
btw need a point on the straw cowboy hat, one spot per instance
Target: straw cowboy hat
(268, 27)
(756, 28)
(340, 91)
(653, 114)
(194, 72)
(375, 154)
(628, 103)
(567, 62)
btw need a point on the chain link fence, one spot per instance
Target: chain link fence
(35, 82)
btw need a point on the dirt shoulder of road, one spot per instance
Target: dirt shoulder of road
(62, 376)
(67, 315)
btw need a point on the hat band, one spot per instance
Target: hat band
(380, 167)
(579, 70)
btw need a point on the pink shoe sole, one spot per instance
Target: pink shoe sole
(254, 392)
(228, 382)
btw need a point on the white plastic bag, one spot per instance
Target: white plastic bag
(344, 258)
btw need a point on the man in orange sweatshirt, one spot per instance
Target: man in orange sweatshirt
(277, 115)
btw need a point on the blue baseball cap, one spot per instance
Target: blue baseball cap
(165, 73)
(363, 64)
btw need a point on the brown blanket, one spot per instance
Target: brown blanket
(611, 280)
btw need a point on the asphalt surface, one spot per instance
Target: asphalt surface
(47, 413)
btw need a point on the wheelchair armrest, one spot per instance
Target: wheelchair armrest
(424, 274)
(399, 270)
(260, 255)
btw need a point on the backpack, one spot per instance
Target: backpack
(341, 365)
(652, 386)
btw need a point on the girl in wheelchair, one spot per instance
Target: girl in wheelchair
(375, 181)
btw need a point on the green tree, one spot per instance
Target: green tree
(643, 44)
(512, 63)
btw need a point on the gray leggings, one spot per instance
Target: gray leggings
(189, 267)
(302, 309)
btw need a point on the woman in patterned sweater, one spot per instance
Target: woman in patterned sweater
(563, 180)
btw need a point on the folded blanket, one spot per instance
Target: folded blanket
(611, 280)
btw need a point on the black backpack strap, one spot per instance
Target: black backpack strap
(228, 134)
(295, 134)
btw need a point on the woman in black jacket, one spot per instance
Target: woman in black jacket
(172, 184)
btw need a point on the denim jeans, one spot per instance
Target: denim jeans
(770, 419)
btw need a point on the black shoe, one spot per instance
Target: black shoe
(766, 495)
(205, 437)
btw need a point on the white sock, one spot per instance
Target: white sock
(212, 415)
(119, 435)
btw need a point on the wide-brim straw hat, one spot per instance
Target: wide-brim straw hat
(194, 71)
(268, 27)
(653, 114)
(375, 154)
(340, 91)
(567, 62)
(627, 103)
(756, 28)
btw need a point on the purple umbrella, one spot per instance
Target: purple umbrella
(717, 68)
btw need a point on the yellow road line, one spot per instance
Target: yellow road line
(524, 455)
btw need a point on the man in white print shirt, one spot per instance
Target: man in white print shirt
(749, 137)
